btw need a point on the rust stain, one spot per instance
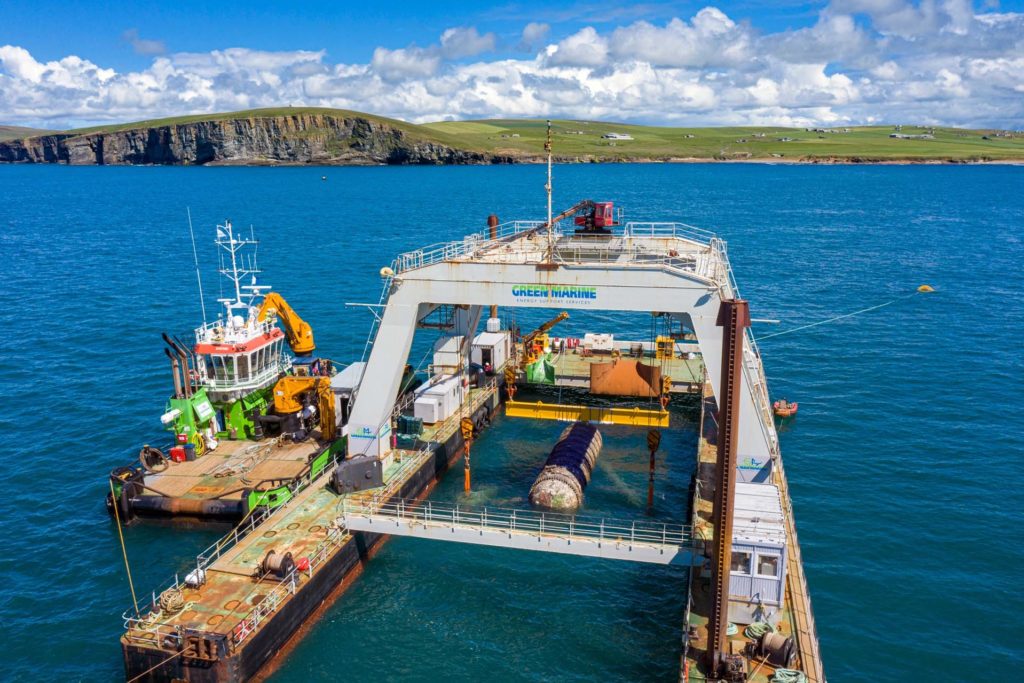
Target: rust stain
(279, 657)
(206, 489)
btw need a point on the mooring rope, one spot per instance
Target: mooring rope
(124, 550)
(923, 289)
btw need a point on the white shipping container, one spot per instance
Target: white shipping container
(491, 347)
(437, 402)
(447, 357)
(598, 342)
(428, 409)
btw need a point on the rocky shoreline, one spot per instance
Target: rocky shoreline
(295, 139)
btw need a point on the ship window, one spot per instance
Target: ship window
(243, 366)
(768, 565)
(218, 367)
(225, 368)
(740, 562)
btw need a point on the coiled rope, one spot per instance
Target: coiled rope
(171, 601)
(789, 676)
(757, 629)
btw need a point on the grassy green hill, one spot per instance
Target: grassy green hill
(582, 140)
(415, 131)
(18, 132)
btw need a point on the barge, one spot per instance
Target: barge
(232, 615)
(247, 420)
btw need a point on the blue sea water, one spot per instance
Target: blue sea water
(905, 462)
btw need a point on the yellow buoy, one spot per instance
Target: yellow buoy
(924, 289)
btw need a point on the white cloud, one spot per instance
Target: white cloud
(457, 43)
(143, 46)
(711, 39)
(583, 48)
(533, 34)
(861, 61)
(409, 62)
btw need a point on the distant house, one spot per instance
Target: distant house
(617, 136)
(784, 139)
(690, 135)
(904, 136)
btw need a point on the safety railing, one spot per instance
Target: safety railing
(667, 230)
(482, 241)
(753, 368)
(378, 313)
(220, 331)
(204, 560)
(286, 586)
(510, 520)
(446, 251)
(796, 573)
(272, 371)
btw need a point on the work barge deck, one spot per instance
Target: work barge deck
(221, 619)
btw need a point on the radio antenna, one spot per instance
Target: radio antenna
(195, 258)
(547, 187)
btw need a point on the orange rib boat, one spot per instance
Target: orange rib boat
(784, 408)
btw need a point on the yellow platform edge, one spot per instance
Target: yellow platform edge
(631, 417)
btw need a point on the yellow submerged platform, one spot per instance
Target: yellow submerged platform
(632, 417)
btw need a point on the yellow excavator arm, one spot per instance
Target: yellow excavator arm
(545, 327)
(288, 393)
(540, 335)
(300, 334)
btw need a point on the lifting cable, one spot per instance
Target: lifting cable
(923, 289)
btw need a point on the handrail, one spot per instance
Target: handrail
(513, 520)
(265, 326)
(206, 558)
(482, 241)
(270, 372)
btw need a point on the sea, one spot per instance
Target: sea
(905, 462)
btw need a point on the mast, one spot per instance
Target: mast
(241, 268)
(547, 188)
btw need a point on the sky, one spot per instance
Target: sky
(843, 62)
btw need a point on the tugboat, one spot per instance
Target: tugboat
(248, 422)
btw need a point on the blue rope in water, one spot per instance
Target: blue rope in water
(838, 317)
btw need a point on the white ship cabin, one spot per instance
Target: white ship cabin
(757, 577)
(240, 355)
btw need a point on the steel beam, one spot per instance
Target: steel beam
(733, 318)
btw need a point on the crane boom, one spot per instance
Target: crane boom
(545, 327)
(300, 334)
(292, 393)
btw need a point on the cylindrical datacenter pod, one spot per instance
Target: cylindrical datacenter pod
(566, 473)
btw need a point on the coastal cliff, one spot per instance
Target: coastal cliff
(287, 139)
(320, 136)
